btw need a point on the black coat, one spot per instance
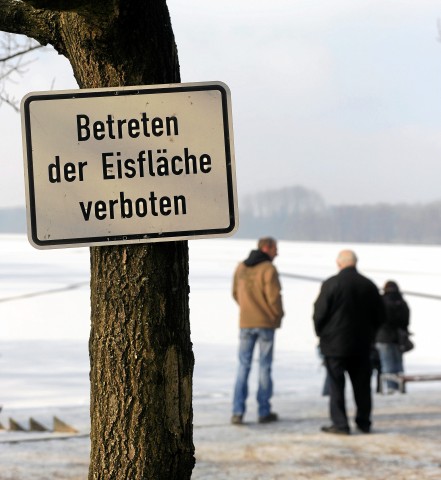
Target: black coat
(397, 316)
(347, 314)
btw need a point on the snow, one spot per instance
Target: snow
(45, 319)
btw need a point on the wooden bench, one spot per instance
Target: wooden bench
(402, 379)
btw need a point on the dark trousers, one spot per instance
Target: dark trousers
(359, 370)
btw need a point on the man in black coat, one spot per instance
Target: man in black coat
(347, 314)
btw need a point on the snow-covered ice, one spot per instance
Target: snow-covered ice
(45, 320)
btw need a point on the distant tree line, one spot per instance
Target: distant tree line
(296, 213)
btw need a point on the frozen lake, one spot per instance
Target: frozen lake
(45, 318)
(45, 315)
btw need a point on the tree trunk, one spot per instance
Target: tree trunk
(141, 363)
(140, 349)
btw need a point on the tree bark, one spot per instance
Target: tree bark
(140, 349)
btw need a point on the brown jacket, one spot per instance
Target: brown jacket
(257, 290)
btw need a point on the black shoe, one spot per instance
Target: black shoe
(237, 419)
(364, 429)
(271, 417)
(336, 430)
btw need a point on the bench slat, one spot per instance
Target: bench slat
(402, 379)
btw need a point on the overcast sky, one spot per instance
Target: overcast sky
(342, 97)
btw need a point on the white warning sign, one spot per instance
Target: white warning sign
(129, 165)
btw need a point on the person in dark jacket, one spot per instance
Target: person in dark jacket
(387, 339)
(347, 315)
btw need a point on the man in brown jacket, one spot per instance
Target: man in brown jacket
(257, 290)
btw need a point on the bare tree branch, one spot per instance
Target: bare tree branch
(19, 53)
(20, 18)
(47, 21)
(44, 20)
(14, 60)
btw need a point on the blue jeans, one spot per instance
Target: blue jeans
(248, 339)
(391, 360)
